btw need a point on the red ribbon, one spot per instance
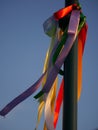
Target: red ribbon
(65, 11)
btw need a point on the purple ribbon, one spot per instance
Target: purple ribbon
(65, 51)
(22, 96)
(54, 70)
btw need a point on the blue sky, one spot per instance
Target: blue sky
(23, 46)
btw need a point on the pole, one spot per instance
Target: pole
(70, 86)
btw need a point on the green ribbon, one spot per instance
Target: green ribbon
(64, 37)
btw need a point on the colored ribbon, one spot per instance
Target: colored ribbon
(48, 63)
(22, 97)
(58, 103)
(54, 71)
(69, 43)
(65, 11)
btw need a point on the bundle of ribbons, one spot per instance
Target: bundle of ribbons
(62, 39)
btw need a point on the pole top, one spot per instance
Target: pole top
(69, 2)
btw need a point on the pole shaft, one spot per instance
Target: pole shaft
(70, 86)
(70, 91)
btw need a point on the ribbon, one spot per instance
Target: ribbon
(47, 64)
(50, 26)
(65, 11)
(71, 38)
(49, 107)
(22, 96)
(58, 103)
(53, 70)
(60, 60)
(81, 44)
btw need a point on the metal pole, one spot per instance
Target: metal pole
(70, 86)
